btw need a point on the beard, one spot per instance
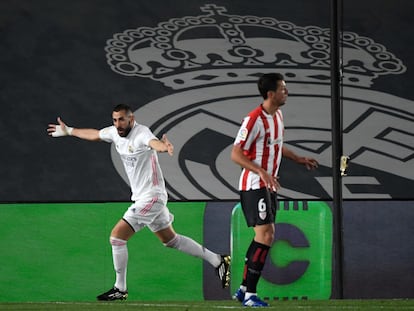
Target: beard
(123, 132)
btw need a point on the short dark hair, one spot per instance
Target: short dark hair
(122, 107)
(268, 82)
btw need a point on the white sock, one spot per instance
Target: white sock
(191, 247)
(120, 259)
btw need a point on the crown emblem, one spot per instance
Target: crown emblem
(218, 48)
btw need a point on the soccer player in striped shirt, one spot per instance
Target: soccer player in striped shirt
(258, 149)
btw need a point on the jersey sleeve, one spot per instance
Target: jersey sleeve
(146, 135)
(247, 133)
(107, 134)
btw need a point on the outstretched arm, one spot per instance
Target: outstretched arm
(162, 145)
(61, 129)
(310, 163)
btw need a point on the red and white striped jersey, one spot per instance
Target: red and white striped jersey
(261, 138)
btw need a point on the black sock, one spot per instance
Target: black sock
(249, 253)
(255, 259)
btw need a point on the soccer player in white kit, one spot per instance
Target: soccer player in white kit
(138, 147)
(258, 149)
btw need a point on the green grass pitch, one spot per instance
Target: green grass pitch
(337, 305)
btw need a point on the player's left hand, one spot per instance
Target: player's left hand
(170, 147)
(310, 163)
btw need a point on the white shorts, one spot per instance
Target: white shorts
(153, 214)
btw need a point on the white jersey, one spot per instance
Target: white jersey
(140, 161)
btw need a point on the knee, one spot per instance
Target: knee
(173, 243)
(117, 242)
(267, 237)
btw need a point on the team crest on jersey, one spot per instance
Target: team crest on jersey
(262, 215)
(211, 64)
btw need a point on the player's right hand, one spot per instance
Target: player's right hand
(59, 130)
(270, 181)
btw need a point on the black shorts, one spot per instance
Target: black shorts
(259, 206)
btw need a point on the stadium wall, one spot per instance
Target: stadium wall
(189, 69)
(60, 252)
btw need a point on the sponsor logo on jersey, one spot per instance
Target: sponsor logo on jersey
(243, 134)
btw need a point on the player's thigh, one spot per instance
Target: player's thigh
(122, 230)
(145, 212)
(162, 225)
(259, 206)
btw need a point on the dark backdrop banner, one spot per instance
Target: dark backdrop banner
(189, 69)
